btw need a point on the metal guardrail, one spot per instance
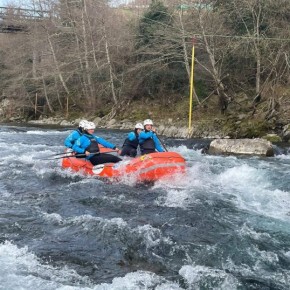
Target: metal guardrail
(22, 13)
(14, 19)
(11, 28)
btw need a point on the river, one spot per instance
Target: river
(225, 224)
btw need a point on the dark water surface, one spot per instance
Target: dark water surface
(224, 225)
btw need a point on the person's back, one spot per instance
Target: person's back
(131, 143)
(87, 144)
(75, 135)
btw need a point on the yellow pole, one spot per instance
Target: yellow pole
(191, 91)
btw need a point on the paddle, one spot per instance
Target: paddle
(58, 154)
(66, 155)
(69, 154)
(161, 143)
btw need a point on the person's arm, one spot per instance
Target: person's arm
(105, 143)
(80, 145)
(131, 136)
(68, 142)
(157, 143)
(145, 135)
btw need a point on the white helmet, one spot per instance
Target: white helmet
(148, 122)
(82, 123)
(90, 126)
(139, 126)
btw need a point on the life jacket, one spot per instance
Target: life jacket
(79, 131)
(148, 146)
(94, 145)
(133, 144)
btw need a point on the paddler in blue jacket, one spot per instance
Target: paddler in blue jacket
(148, 140)
(75, 135)
(131, 143)
(88, 144)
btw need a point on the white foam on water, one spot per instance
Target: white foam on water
(10, 133)
(87, 222)
(251, 187)
(254, 191)
(140, 280)
(120, 198)
(51, 167)
(21, 269)
(53, 217)
(151, 236)
(258, 236)
(260, 261)
(259, 269)
(230, 178)
(181, 190)
(49, 132)
(105, 223)
(283, 157)
(128, 179)
(201, 277)
(29, 154)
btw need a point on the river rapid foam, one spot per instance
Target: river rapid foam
(224, 224)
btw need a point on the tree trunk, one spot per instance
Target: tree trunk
(91, 35)
(57, 93)
(56, 64)
(223, 98)
(109, 64)
(185, 55)
(46, 96)
(87, 64)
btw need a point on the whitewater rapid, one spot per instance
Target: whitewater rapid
(225, 224)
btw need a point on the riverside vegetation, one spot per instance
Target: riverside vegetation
(124, 63)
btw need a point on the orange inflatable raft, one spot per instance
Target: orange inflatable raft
(150, 167)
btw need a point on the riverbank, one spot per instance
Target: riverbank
(206, 123)
(213, 146)
(210, 129)
(164, 127)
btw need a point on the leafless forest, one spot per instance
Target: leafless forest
(106, 58)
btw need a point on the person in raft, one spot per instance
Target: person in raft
(148, 140)
(88, 144)
(75, 135)
(131, 143)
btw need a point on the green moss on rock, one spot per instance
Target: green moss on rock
(273, 138)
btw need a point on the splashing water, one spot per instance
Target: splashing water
(224, 224)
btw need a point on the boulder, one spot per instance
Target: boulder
(65, 123)
(171, 131)
(127, 126)
(97, 121)
(47, 121)
(160, 129)
(241, 146)
(112, 124)
(182, 132)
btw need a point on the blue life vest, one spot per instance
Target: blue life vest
(148, 146)
(133, 144)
